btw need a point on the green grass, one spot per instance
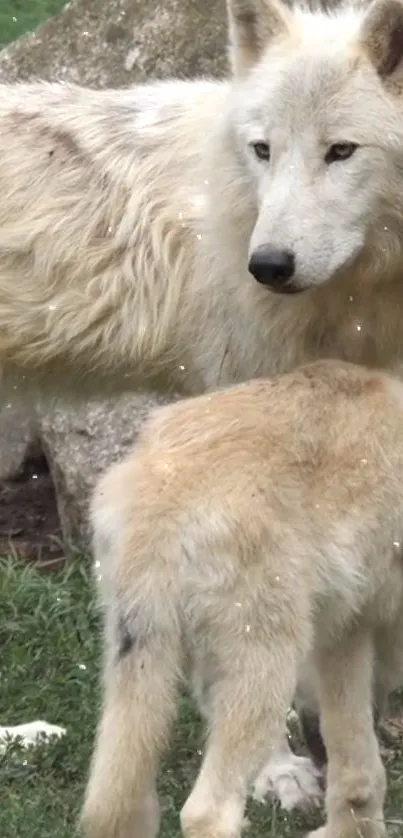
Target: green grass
(49, 668)
(20, 16)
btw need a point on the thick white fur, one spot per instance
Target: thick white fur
(127, 217)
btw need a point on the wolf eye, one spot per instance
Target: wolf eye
(262, 150)
(340, 151)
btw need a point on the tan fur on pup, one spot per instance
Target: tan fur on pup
(252, 533)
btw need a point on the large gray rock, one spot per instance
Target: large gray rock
(80, 445)
(106, 43)
(117, 42)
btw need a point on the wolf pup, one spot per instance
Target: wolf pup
(251, 532)
(197, 233)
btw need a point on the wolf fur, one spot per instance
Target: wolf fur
(128, 218)
(131, 221)
(252, 532)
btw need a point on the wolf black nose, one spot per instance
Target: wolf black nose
(272, 267)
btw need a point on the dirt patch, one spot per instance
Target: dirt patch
(29, 521)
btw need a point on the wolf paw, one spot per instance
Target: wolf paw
(30, 734)
(358, 831)
(294, 781)
(365, 829)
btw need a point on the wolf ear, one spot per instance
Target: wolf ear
(252, 25)
(382, 35)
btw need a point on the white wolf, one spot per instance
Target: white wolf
(203, 232)
(144, 232)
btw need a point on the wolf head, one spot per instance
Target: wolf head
(318, 120)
